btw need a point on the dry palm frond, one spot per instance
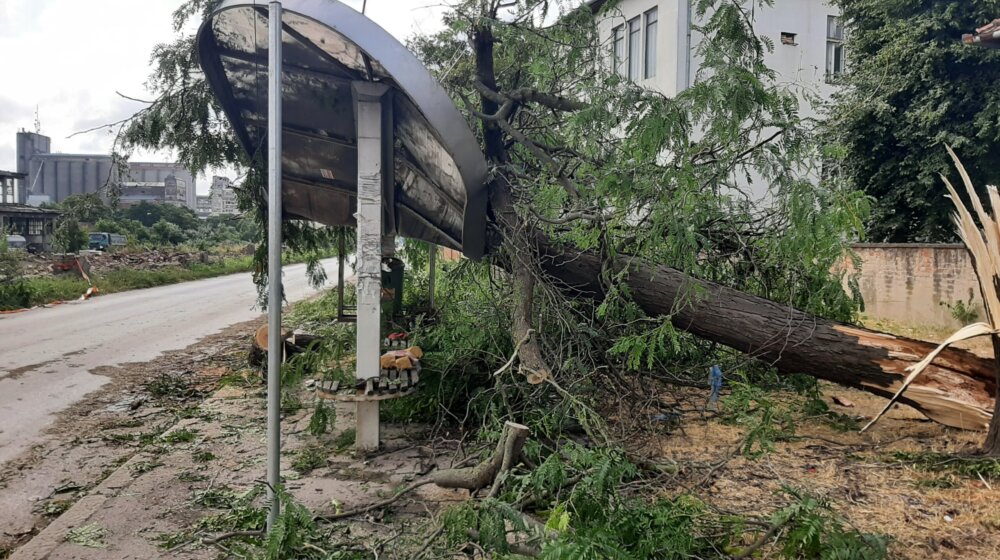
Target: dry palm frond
(984, 246)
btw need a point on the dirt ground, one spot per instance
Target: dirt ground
(927, 514)
(147, 459)
(143, 461)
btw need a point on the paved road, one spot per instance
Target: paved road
(46, 355)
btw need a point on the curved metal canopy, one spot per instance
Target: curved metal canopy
(436, 185)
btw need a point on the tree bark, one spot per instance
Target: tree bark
(991, 446)
(956, 390)
(532, 363)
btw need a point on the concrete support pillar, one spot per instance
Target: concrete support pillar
(368, 98)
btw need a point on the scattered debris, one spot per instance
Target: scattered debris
(843, 402)
(91, 536)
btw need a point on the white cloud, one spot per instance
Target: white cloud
(70, 57)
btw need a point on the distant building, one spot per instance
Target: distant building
(176, 192)
(144, 172)
(29, 144)
(37, 200)
(223, 197)
(203, 206)
(8, 188)
(59, 176)
(133, 193)
(36, 225)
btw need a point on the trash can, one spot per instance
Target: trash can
(392, 285)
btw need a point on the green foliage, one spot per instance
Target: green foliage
(310, 458)
(182, 435)
(971, 467)
(814, 531)
(166, 233)
(69, 236)
(15, 291)
(242, 512)
(766, 421)
(292, 530)
(322, 419)
(140, 467)
(203, 456)
(345, 439)
(593, 518)
(963, 312)
(912, 85)
(88, 208)
(42, 290)
(91, 536)
(150, 214)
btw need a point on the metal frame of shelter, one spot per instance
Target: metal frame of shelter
(358, 133)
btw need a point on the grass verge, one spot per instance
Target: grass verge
(44, 290)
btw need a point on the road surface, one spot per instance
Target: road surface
(47, 354)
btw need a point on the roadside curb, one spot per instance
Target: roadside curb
(54, 535)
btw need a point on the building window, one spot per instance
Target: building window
(650, 59)
(834, 48)
(788, 38)
(36, 227)
(618, 50)
(634, 49)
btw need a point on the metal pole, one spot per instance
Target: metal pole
(275, 344)
(341, 249)
(432, 273)
(368, 98)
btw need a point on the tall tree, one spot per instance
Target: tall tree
(912, 86)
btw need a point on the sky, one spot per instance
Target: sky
(68, 58)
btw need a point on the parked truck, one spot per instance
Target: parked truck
(100, 241)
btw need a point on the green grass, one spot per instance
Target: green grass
(68, 287)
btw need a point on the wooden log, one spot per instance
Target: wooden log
(957, 390)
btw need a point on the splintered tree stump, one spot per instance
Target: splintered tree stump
(293, 344)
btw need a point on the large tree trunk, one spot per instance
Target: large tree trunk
(957, 389)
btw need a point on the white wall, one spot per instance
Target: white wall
(802, 65)
(672, 40)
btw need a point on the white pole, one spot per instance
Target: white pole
(368, 98)
(275, 350)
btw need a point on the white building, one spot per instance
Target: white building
(654, 42)
(223, 197)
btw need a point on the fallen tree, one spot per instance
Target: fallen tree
(956, 390)
(627, 173)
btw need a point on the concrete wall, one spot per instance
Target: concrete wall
(907, 283)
